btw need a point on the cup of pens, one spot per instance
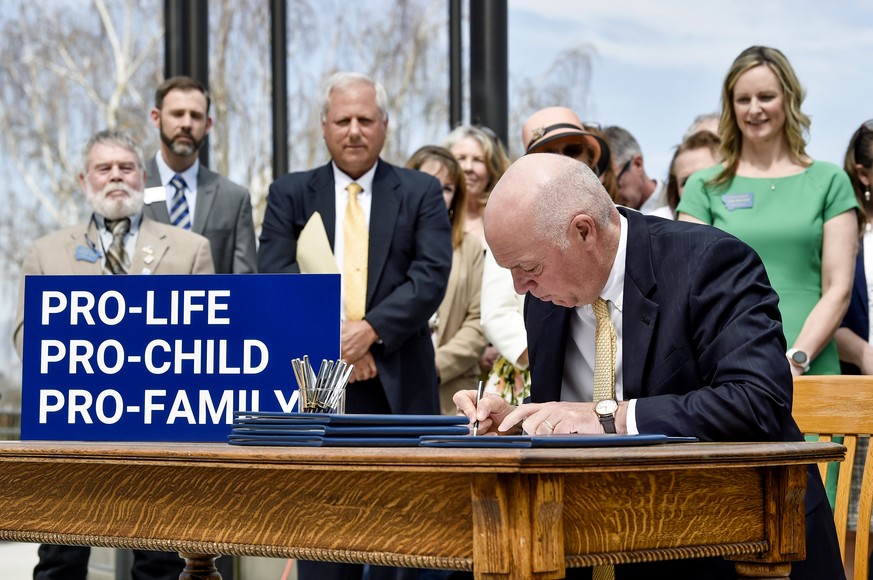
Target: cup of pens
(324, 392)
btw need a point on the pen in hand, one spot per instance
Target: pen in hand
(478, 398)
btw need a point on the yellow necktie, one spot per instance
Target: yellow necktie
(604, 354)
(356, 241)
(604, 385)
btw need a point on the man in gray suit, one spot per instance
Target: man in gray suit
(185, 193)
(117, 239)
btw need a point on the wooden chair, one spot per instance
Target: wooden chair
(841, 406)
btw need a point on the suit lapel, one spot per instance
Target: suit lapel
(640, 314)
(153, 176)
(77, 238)
(322, 199)
(157, 210)
(207, 189)
(384, 210)
(549, 341)
(151, 247)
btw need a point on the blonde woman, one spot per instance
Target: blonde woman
(455, 327)
(798, 214)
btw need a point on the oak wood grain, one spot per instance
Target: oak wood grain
(503, 513)
(842, 406)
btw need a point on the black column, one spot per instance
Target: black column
(489, 66)
(279, 83)
(456, 68)
(186, 44)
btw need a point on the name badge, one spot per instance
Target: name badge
(86, 254)
(155, 194)
(734, 201)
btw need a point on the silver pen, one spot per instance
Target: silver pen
(479, 393)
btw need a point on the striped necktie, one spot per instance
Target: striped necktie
(116, 261)
(356, 243)
(179, 215)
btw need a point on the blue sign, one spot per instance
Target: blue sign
(168, 358)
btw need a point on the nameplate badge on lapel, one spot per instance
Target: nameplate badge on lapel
(153, 194)
(86, 254)
(149, 255)
(734, 201)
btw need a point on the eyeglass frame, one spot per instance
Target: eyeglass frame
(624, 169)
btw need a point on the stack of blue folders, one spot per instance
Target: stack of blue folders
(329, 430)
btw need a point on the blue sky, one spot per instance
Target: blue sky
(658, 64)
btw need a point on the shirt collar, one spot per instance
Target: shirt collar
(365, 181)
(135, 221)
(189, 175)
(613, 290)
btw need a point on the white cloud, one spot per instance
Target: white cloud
(659, 63)
(691, 32)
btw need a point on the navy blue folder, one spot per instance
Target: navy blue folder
(351, 430)
(307, 441)
(606, 440)
(333, 430)
(258, 418)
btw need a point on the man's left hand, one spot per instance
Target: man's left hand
(561, 418)
(356, 337)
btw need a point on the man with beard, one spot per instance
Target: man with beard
(116, 239)
(188, 194)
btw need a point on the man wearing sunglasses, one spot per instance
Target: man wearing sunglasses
(638, 190)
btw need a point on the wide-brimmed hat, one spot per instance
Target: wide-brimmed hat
(560, 123)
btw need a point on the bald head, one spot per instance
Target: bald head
(551, 223)
(543, 192)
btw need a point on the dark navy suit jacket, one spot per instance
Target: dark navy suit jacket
(410, 255)
(703, 354)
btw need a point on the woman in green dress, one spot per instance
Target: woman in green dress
(798, 214)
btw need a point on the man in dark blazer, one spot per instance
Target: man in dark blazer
(408, 258)
(221, 209)
(700, 337)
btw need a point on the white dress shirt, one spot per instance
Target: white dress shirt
(365, 198)
(129, 241)
(190, 177)
(578, 376)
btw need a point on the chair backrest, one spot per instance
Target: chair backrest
(829, 406)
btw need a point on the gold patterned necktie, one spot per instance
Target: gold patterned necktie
(604, 354)
(356, 242)
(604, 385)
(116, 261)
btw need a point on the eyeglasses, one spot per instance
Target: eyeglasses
(624, 168)
(574, 150)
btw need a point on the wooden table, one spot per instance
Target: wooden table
(502, 513)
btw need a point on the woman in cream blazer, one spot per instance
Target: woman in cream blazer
(455, 327)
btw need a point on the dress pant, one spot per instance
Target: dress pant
(361, 397)
(71, 563)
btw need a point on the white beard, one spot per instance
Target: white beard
(115, 208)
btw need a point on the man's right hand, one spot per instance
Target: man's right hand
(490, 412)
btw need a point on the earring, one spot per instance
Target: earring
(867, 194)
